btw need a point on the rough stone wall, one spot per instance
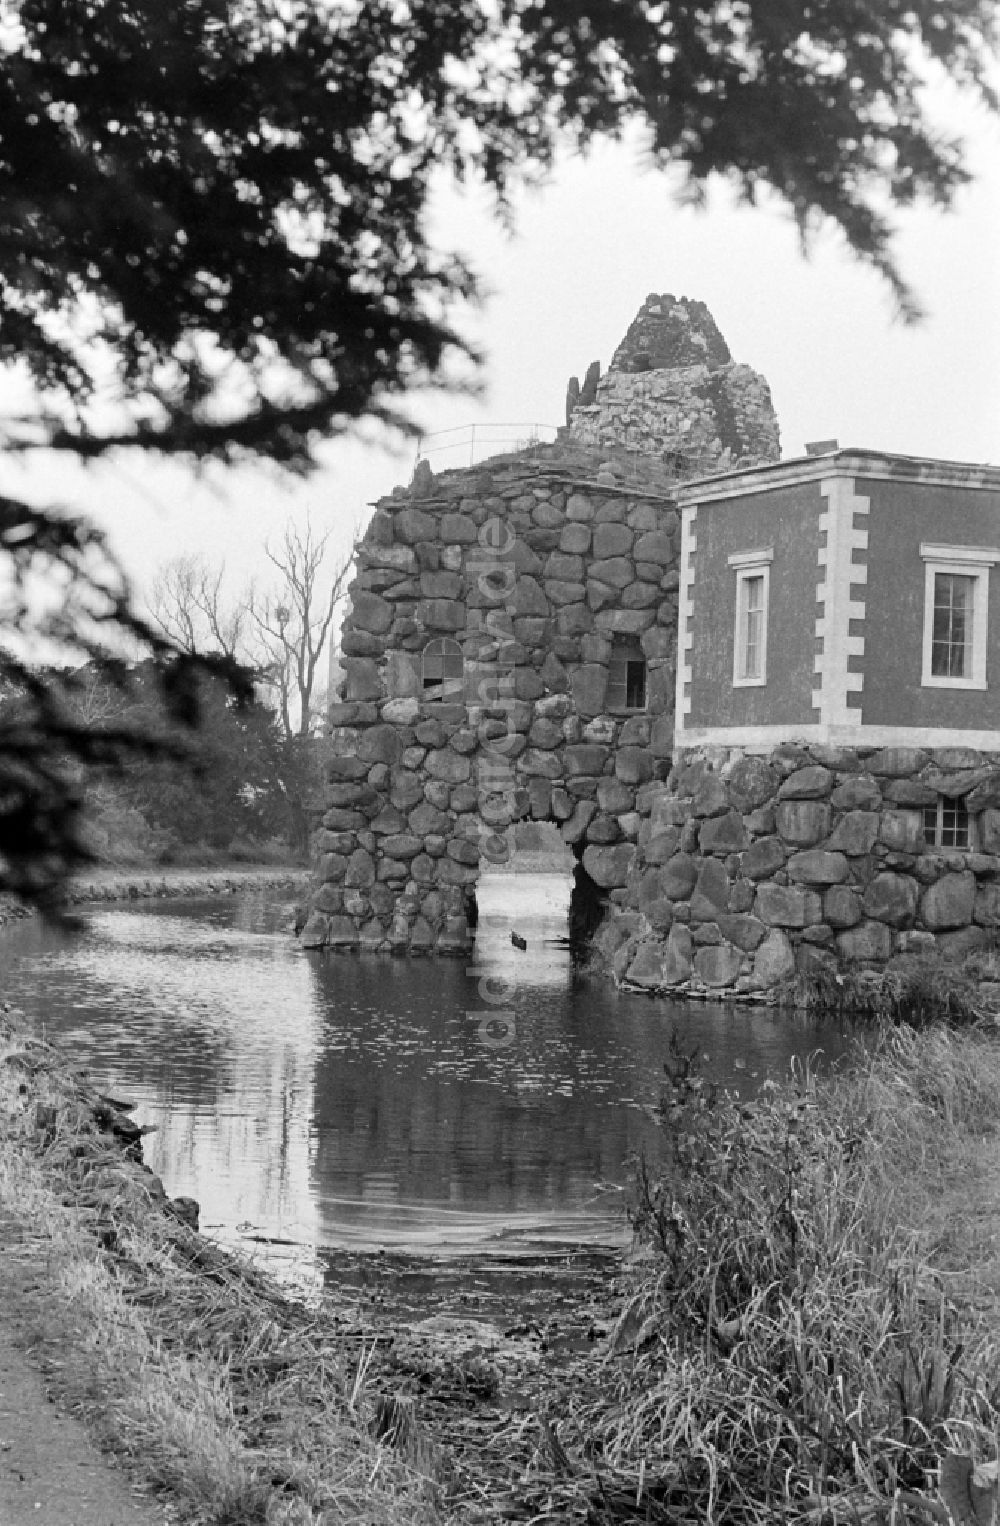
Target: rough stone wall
(668, 332)
(673, 391)
(532, 564)
(752, 868)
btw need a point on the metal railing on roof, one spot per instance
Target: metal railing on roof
(467, 444)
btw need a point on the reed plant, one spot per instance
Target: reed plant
(918, 991)
(811, 1328)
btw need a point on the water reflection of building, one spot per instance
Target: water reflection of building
(422, 1113)
(337, 1100)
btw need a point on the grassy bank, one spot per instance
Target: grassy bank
(808, 1327)
(119, 884)
(135, 884)
(211, 1386)
(917, 992)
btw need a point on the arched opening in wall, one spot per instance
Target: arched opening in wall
(541, 898)
(626, 675)
(524, 903)
(443, 669)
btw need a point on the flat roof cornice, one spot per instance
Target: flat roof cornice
(849, 462)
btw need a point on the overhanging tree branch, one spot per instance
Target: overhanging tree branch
(223, 206)
(66, 617)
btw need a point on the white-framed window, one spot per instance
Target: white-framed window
(947, 824)
(626, 675)
(753, 584)
(956, 615)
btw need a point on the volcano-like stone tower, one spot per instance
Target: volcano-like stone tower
(510, 649)
(673, 390)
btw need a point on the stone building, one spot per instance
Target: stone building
(510, 649)
(835, 790)
(757, 698)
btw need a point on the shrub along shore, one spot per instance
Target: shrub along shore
(807, 1329)
(119, 884)
(135, 884)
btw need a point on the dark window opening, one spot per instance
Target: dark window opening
(635, 685)
(946, 824)
(443, 669)
(627, 675)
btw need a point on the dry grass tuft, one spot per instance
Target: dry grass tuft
(246, 1407)
(924, 990)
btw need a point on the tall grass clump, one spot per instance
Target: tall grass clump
(921, 991)
(807, 1338)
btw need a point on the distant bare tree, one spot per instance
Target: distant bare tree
(292, 624)
(188, 606)
(281, 633)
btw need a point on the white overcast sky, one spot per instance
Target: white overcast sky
(588, 248)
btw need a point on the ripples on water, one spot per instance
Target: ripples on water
(361, 1102)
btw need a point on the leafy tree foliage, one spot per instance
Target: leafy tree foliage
(215, 239)
(208, 790)
(64, 592)
(215, 210)
(223, 789)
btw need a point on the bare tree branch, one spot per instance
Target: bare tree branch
(280, 632)
(172, 605)
(293, 623)
(189, 607)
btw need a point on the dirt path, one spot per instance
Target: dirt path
(51, 1471)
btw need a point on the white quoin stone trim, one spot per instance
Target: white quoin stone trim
(838, 570)
(685, 618)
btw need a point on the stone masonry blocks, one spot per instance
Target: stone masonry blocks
(481, 690)
(808, 855)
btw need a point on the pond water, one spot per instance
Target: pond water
(316, 1103)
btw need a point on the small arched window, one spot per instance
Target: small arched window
(443, 669)
(627, 675)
